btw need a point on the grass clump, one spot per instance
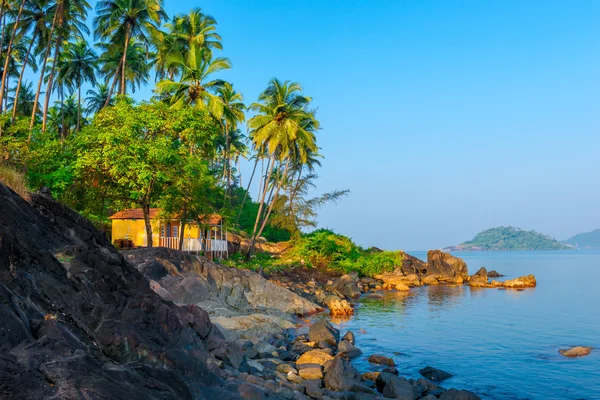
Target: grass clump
(15, 180)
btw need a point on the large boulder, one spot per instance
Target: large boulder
(347, 349)
(479, 278)
(337, 306)
(323, 331)
(394, 387)
(412, 265)
(341, 375)
(77, 320)
(346, 286)
(446, 266)
(521, 282)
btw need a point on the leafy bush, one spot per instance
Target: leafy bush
(324, 248)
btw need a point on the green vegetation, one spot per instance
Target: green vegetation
(509, 238)
(323, 248)
(587, 240)
(178, 150)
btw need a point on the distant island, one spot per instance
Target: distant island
(508, 238)
(587, 240)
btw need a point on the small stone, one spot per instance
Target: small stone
(292, 377)
(347, 349)
(314, 357)
(310, 371)
(391, 370)
(286, 368)
(349, 336)
(251, 392)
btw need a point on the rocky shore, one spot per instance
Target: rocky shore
(83, 321)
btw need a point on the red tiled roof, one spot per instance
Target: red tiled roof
(134, 213)
(137, 213)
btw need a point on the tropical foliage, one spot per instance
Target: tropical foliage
(508, 238)
(74, 129)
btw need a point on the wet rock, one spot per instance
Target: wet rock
(323, 331)
(479, 279)
(370, 376)
(494, 274)
(445, 265)
(310, 371)
(338, 306)
(313, 388)
(391, 370)
(434, 374)
(379, 359)
(521, 282)
(402, 287)
(453, 394)
(430, 280)
(578, 351)
(346, 286)
(349, 336)
(347, 349)
(392, 386)
(314, 357)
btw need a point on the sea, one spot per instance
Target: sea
(500, 344)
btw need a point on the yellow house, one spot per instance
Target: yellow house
(206, 234)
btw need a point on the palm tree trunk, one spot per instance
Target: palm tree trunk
(18, 90)
(8, 49)
(226, 160)
(114, 83)
(147, 224)
(247, 190)
(270, 166)
(50, 82)
(124, 63)
(79, 104)
(264, 223)
(182, 227)
(39, 88)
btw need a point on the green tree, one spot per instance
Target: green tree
(98, 98)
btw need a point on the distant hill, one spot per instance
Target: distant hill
(588, 240)
(508, 238)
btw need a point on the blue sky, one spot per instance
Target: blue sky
(443, 118)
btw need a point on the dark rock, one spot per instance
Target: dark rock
(445, 265)
(347, 349)
(494, 274)
(346, 286)
(323, 331)
(394, 387)
(453, 394)
(286, 356)
(412, 265)
(251, 392)
(349, 336)
(391, 370)
(340, 375)
(82, 319)
(434, 374)
(251, 353)
(379, 359)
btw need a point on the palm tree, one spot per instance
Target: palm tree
(194, 86)
(283, 129)
(78, 65)
(13, 36)
(232, 114)
(123, 20)
(137, 71)
(98, 98)
(25, 106)
(34, 23)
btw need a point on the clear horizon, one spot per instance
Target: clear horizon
(443, 118)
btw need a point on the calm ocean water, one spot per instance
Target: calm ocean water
(501, 344)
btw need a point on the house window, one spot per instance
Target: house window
(162, 231)
(175, 229)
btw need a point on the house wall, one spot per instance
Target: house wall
(135, 230)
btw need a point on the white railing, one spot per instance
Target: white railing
(170, 242)
(190, 244)
(217, 245)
